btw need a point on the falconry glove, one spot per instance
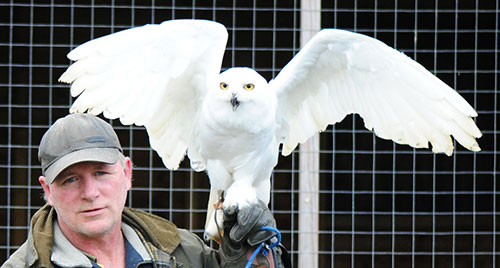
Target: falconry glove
(242, 233)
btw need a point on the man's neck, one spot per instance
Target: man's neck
(108, 249)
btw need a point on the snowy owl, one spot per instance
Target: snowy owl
(167, 78)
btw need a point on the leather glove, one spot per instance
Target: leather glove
(247, 223)
(242, 231)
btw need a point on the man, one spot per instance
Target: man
(85, 223)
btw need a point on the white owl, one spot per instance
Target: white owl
(167, 78)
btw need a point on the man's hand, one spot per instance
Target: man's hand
(242, 234)
(247, 222)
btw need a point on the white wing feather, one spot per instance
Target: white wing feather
(154, 75)
(339, 72)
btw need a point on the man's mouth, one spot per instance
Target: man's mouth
(92, 211)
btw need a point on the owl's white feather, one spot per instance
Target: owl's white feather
(166, 77)
(154, 75)
(339, 72)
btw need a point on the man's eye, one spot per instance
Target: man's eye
(101, 173)
(69, 180)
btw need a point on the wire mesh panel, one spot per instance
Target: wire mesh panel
(381, 204)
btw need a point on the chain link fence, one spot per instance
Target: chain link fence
(381, 204)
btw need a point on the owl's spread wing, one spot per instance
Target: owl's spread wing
(154, 75)
(339, 72)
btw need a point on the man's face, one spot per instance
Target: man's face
(89, 197)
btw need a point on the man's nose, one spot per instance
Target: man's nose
(89, 188)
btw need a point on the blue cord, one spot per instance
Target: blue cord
(264, 251)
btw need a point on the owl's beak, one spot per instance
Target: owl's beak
(235, 102)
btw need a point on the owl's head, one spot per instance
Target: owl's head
(242, 85)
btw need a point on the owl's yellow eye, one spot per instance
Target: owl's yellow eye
(224, 86)
(249, 86)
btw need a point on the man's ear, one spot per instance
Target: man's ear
(127, 169)
(46, 189)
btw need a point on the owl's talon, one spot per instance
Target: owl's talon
(230, 210)
(198, 165)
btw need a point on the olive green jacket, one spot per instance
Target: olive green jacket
(166, 245)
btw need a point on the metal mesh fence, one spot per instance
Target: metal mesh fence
(381, 204)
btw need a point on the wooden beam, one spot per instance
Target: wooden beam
(310, 24)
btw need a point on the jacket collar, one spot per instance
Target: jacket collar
(64, 254)
(40, 239)
(160, 232)
(156, 230)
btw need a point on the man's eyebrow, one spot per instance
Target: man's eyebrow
(69, 171)
(99, 165)
(64, 174)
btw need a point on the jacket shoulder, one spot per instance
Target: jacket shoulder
(160, 232)
(186, 247)
(194, 251)
(18, 259)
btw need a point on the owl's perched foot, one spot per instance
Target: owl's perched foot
(238, 197)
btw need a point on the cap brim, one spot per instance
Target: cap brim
(104, 155)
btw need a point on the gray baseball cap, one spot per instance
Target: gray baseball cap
(77, 138)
